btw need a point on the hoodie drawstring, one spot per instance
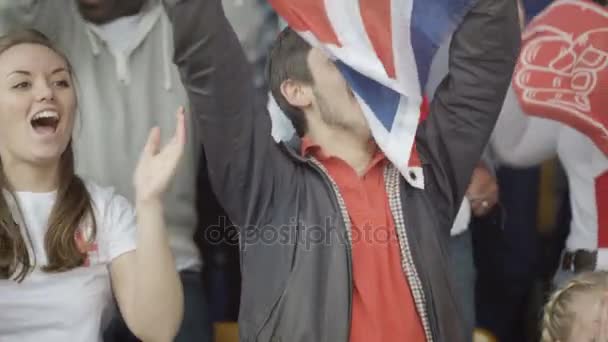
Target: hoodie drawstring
(93, 41)
(167, 60)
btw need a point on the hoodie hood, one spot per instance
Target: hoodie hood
(151, 14)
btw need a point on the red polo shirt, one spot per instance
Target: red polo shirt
(383, 305)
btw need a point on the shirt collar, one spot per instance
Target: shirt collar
(311, 148)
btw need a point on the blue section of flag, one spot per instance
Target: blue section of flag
(382, 100)
(433, 21)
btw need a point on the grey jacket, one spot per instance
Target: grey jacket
(294, 229)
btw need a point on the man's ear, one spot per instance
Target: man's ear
(296, 93)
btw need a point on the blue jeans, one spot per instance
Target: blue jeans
(463, 266)
(195, 326)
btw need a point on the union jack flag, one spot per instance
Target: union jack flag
(384, 48)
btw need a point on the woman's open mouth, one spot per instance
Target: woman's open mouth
(45, 122)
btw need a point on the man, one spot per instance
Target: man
(481, 198)
(533, 129)
(120, 52)
(312, 268)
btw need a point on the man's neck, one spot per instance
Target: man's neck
(354, 149)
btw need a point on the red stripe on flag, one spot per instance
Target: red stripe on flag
(377, 20)
(414, 157)
(425, 108)
(601, 199)
(424, 113)
(307, 15)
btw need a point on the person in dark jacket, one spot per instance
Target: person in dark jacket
(335, 244)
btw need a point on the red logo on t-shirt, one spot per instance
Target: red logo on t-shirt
(84, 241)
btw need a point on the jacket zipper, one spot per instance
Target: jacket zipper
(392, 182)
(393, 189)
(315, 164)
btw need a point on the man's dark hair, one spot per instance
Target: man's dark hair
(288, 60)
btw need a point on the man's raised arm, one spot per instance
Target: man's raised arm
(245, 165)
(465, 107)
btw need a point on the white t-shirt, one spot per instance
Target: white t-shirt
(68, 306)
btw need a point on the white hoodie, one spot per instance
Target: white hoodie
(122, 95)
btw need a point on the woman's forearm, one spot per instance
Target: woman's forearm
(158, 294)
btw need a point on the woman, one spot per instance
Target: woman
(67, 244)
(578, 311)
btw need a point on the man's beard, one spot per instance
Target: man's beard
(328, 115)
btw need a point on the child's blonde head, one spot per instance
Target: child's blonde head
(575, 308)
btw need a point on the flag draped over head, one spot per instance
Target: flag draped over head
(562, 72)
(384, 49)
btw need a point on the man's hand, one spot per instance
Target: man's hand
(483, 191)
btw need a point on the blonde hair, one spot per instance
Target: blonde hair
(71, 209)
(559, 314)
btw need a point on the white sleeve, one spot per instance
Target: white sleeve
(55, 18)
(602, 260)
(520, 140)
(461, 223)
(118, 228)
(38, 14)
